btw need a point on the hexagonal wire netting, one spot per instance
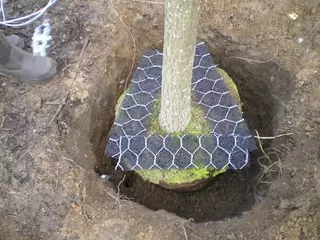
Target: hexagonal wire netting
(134, 147)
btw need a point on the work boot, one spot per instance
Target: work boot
(15, 40)
(24, 66)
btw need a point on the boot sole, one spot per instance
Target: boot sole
(44, 79)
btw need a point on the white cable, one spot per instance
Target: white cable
(26, 20)
(2, 10)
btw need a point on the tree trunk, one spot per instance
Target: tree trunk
(180, 38)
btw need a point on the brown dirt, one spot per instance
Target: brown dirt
(48, 186)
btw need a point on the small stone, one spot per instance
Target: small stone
(251, 17)
(300, 40)
(293, 16)
(314, 10)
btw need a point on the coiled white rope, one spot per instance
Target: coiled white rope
(42, 35)
(26, 20)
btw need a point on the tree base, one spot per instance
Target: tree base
(216, 139)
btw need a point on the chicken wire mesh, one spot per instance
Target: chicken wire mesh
(135, 147)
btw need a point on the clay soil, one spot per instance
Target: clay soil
(49, 182)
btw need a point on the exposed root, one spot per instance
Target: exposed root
(119, 197)
(84, 205)
(253, 60)
(272, 59)
(274, 137)
(184, 231)
(272, 166)
(184, 228)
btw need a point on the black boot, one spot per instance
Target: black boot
(24, 66)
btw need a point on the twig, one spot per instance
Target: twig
(57, 180)
(195, 236)
(66, 67)
(63, 71)
(3, 121)
(138, 220)
(184, 228)
(70, 160)
(260, 145)
(27, 151)
(64, 101)
(55, 102)
(133, 40)
(61, 105)
(277, 136)
(84, 205)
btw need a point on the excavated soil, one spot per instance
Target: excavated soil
(49, 186)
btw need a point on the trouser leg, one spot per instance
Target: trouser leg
(5, 49)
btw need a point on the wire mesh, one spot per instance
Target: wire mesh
(135, 147)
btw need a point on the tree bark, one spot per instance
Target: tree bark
(180, 38)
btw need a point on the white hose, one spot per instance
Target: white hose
(26, 20)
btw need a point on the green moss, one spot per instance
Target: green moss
(232, 86)
(178, 176)
(120, 100)
(197, 126)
